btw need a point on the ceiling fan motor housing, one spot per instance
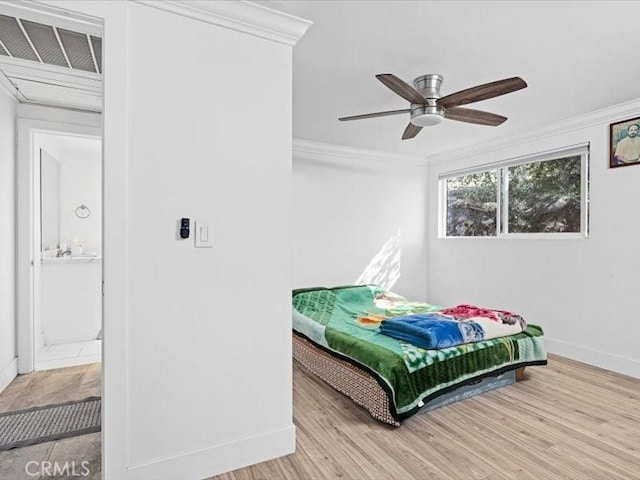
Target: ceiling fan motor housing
(428, 85)
(425, 115)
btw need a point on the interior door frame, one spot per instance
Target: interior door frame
(114, 19)
(27, 244)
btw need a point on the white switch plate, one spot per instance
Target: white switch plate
(203, 235)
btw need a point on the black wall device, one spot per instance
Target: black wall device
(184, 228)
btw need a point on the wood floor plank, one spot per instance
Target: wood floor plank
(14, 463)
(43, 388)
(82, 454)
(563, 421)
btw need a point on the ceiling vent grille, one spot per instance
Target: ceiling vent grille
(96, 43)
(14, 40)
(77, 47)
(40, 43)
(45, 42)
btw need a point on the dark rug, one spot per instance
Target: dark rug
(50, 422)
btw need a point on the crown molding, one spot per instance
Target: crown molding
(591, 119)
(242, 16)
(330, 153)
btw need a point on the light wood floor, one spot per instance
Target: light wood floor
(563, 421)
(43, 388)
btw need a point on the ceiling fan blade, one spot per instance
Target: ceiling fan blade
(411, 131)
(373, 115)
(402, 88)
(482, 92)
(474, 116)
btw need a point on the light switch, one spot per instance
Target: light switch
(203, 236)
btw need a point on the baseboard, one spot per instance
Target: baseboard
(615, 363)
(219, 459)
(8, 373)
(68, 362)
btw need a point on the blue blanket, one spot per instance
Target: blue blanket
(431, 331)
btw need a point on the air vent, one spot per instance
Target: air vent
(96, 42)
(28, 40)
(77, 47)
(14, 40)
(45, 42)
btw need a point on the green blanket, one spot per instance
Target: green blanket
(345, 321)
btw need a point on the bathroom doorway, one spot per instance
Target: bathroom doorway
(67, 249)
(60, 227)
(51, 67)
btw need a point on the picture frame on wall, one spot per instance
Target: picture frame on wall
(624, 143)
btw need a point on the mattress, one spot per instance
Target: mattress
(341, 323)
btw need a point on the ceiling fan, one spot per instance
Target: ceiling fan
(429, 108)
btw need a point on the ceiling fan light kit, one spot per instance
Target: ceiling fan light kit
(428, 107)
(427, 119)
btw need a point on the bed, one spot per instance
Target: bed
(336, 336)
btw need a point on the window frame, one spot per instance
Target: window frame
(502, 179)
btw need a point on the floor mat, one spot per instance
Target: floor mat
(50, 422)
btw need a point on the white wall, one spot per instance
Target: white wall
(197, 352)
(59, 115)
(81, 184)
(583, 292)
(209, 331)
(8, 365)
(49, 199)
(358, 218)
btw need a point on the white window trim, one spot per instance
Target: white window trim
(502, 210)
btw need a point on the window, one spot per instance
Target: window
(472, 203)
(544, 195)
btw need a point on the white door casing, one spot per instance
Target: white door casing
(27, 245)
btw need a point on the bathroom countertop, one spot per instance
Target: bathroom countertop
(73, 259)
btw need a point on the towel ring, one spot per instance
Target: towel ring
(83, 212)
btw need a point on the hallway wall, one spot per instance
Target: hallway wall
(8, 363)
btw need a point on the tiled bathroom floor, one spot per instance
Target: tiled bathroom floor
(68, 354)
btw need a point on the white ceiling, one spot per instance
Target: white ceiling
(576, 56)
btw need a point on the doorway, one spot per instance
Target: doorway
(67, 250)
(59, 244)
(52, 67)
